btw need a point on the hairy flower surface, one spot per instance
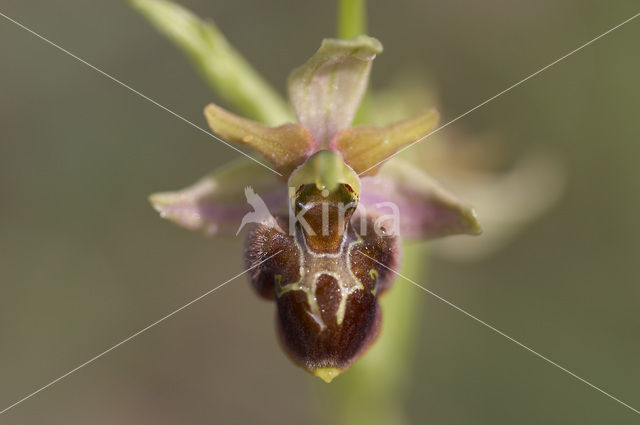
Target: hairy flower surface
(342, 210)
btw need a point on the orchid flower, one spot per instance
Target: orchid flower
(328, 271)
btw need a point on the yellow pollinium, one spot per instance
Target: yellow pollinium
(327, 373)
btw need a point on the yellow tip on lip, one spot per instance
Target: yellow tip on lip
(327, 374)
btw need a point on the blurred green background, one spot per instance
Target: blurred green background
(85, 261)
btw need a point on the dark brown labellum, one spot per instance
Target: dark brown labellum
(323, 282)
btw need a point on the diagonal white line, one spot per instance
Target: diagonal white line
(503, 92)
(136, 92)
(91, 360)
(499, 332)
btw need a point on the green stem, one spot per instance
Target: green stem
(352, 19)
(374, 390)
(228, 73)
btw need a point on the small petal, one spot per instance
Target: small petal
(216, 204)
(363, 147)
(286, 146)
(327, 90)
(424, 209)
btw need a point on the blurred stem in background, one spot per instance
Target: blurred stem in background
(375, 389)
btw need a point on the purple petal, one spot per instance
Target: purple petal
(409, 201)
(216, 204)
